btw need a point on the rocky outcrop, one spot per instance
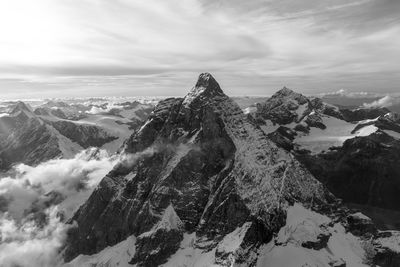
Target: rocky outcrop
(24, 138)
(360, 225)
(218, 170)
(283, 107)
(155, 246)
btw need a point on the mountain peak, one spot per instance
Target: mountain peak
(205, 80)
(21, 106)
(206, 86)
(285, 92)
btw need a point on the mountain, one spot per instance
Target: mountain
(287, 106)
(358, 148)
(25, 138)
(201, 184)
(295, 121)
(29, 138)
(368, 166)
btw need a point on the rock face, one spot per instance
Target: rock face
(24, 138)
(85, 135)
(202, 158)
(155, 246)
(365, 170)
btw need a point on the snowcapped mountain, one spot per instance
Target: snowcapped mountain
(358, 148)
(295, 121)
(201, 184)
(58, 129)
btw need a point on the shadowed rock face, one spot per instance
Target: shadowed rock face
(29, 139)
(24, 138)
(363, 113)
(365, 170)
(204, 158)
(85, 135)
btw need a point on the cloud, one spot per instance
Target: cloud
(63, 182)
(35, 202)
(349, 94)
(384, 102)
(157, 48)
(27, 244)
(130, 159)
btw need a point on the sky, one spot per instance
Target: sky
(65, 48)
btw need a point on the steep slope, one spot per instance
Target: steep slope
(357, 148)
(369, 167)
(29, 138)
(214, 171)
(24, 138)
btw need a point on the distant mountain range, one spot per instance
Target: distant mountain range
(58, 129)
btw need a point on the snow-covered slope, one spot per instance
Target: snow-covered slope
(312, 239)
(308, 238)
(316, 126)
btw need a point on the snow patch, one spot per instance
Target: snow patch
(189, 255)
(117, 255)
(341, 247)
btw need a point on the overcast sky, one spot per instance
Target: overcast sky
(66, 48)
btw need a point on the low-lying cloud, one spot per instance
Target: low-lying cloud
(29, 243)
(383, 102)
(35, 202)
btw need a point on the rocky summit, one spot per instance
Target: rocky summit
(197, 166)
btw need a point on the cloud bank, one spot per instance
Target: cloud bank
(384, 102)
(35, 201)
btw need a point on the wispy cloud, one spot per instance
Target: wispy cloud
(162, 45)
(384, 102)
(35, 201)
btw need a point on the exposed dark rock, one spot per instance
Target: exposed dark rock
(361, 225)
(320, 243)
(365, 170)
(283, 137)
(25, 139)
(155, 246)
(314, 120)
(282, 106)
(302, 128)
